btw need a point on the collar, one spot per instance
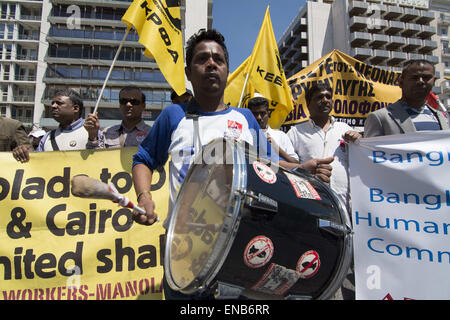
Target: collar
(74, 125)
(140, 126)
(313, 124)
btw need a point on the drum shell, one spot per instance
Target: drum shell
(293, 230)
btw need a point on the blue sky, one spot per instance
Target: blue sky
(240, 21)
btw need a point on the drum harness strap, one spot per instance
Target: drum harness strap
(192, 113)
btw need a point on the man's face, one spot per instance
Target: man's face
(208, 71)
(417, 81)
(321, 104)
(131, 104)
(63, 110)
(261, 115)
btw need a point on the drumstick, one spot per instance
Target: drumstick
(86, 187)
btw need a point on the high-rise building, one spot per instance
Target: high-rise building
(47, 45)
(442, 20)
(384, 33)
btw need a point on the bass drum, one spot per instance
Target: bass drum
(244, 227)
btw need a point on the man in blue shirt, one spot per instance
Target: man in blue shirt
(182, 137)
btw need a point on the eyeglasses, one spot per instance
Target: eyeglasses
(132, 101)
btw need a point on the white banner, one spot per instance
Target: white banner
(400, 190)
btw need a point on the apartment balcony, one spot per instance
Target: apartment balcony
(89, 21)
(30, 37)
(393, 12)
(409, 14)
(361, 53)
(425, 17)
(394, 27)
(102, 42)
(396, 42)
(396, 58)
(447, 71)
(430, 58)
(376, 10)
(428, 46)
(415, 56)
(426, 32)
(379, 40)
(445, 86)
(301, 26)
(357, 8)
(412, 44)
(302, 54)
(446, 52)
(379, 56)
(411, 29)
(444, 19)
(301, 40)
(358, 39)
(98, 3)
(102, 62)
(358, 23)
(376, 25)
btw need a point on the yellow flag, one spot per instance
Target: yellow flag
(235, 84)
(158, 24)
(267, 74)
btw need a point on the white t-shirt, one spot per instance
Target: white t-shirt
(311, 142)
(282, 140)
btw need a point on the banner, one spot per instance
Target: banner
(158, 24)
(358, 88)
(401, 216)
(55, 246)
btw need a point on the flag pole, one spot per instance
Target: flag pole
(243, 90)
(110, 69)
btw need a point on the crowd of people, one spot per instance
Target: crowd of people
(318, 145)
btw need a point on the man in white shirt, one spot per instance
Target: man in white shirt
(321, 136)
(67, 110)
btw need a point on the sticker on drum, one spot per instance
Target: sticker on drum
(302, 188)
(276, 280)
(258, 252)
(308, 264)
(264, 172)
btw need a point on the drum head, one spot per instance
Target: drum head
(197, 243)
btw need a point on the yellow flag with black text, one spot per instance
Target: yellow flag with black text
(158, 25)
(267, 74)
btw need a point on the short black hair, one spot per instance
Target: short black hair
(258, 101)
(74, 98)
(203, 35)
(410, 63)
(133, 88)
(316, 86)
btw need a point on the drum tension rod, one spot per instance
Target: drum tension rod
(259, 201)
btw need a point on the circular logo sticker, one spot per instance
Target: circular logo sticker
(264, 172)
(308, 264)
(258, 252)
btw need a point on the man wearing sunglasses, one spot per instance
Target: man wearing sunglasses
(132, 130)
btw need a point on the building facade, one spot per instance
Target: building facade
(383, 33)
(48, 45)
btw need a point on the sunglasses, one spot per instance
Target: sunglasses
(132, 101)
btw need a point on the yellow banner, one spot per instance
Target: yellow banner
(158, 24)
(358, 88)
(266, 73)
(55, 246)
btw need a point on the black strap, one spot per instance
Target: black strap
(53, 141)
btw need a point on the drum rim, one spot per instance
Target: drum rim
(347, 251)
(226, 238)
